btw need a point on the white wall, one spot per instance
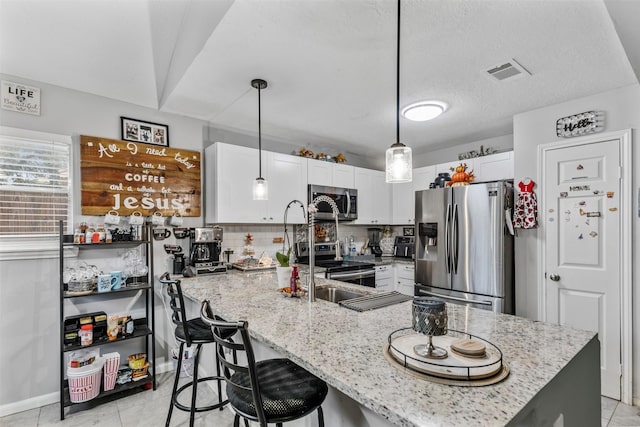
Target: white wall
(622, 111)
(450, 154)
(29, 325)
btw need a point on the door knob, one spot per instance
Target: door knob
(554, 277)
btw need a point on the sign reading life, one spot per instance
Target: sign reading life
(127, 176)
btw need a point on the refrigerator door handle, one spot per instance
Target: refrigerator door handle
(454, 239)
(466, 301)
(447, 239)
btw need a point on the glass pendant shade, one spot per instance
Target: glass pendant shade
(399, 164)
(260, 189)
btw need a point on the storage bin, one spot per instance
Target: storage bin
(111, 364)
(84, 382)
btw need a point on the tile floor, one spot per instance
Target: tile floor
(149, 409)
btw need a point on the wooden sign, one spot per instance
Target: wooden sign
(127, 177)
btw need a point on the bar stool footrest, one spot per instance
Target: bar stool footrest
(200, 408)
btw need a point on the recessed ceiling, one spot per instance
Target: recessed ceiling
(330, 64)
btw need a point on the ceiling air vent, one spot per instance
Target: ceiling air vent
(508, 70)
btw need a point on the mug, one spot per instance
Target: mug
(176, 220)
(117, 279)
(157, 218)
(136, 218)
(161, 233)
(104, 283)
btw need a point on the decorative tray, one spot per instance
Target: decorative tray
(251, 267)
(286, 292)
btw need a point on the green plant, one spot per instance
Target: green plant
(283, 259)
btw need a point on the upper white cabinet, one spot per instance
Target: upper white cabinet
(493, 167)
(287, 178)
(230, 172)
(403, 195)
(374, 197)
(330, 174)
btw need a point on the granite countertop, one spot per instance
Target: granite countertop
(345, 349)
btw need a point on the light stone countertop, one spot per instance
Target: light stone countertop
(345, 349)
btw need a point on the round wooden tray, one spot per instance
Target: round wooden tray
(455, 369)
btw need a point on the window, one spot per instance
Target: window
(35, 188)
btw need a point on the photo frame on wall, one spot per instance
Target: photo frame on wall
(146, 132)
(407, 231)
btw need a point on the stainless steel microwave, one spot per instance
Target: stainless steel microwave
(346, 200)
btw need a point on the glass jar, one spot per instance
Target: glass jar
(86, 335)
(88, 235)
(102, 234)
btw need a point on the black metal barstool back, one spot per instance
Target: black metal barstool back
(268, 391)
(189, 332)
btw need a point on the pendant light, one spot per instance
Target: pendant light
(260, 185)
(398, 162)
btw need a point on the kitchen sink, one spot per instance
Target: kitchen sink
(333, 294)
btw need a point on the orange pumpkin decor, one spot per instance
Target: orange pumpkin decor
(460, 176)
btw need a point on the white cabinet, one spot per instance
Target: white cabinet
(403, 195)
(422, 177)
(493, 167)
(230, 172)
(331, 174)
(384, 277)
(405, 278)
(287, 178)
(374, 197)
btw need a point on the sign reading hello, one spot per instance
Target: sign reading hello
(127, 177)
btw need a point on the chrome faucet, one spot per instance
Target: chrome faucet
(285, 238)
(312, 209)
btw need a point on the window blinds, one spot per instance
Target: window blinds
(35, 190)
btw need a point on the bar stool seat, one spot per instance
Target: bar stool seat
(191, 332)
(268, 391)
(288, 391)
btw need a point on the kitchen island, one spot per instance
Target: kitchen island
(554, 371)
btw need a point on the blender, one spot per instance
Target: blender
(374, 240)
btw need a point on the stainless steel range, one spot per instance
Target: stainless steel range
(359, 273)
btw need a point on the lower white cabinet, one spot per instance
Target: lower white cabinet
(395, 277)
(384, 277)
(405, 278)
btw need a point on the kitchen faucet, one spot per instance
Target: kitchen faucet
(285, 239)
(312, 209)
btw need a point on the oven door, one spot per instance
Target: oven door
(463, 298)
(358, 277)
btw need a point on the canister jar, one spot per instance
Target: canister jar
(86, 335)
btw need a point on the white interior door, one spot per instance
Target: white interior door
(582, 247)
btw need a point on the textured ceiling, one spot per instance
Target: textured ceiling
(330, 64)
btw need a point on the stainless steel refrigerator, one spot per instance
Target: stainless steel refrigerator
(464, 245)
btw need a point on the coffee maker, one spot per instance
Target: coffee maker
(206, 246)
(375, 234)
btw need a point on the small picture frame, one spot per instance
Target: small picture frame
(407, 231)
(146, 132)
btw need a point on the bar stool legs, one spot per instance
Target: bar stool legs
(175, 393)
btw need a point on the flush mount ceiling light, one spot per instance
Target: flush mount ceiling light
(424, 110)
(260, 185)
(398, 162)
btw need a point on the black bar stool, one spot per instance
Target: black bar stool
(268, 391)
(191, 332)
